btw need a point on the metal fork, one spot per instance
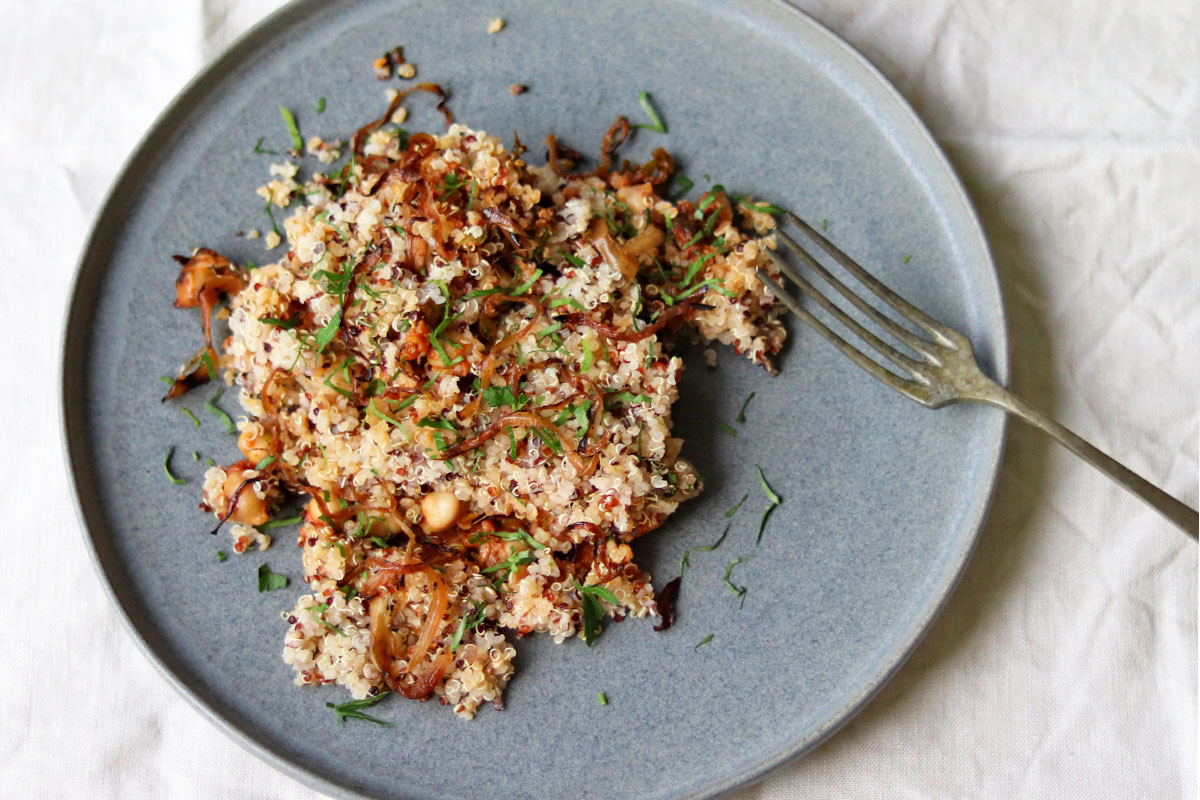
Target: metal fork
(946, 371)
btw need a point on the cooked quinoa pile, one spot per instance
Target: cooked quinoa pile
(464, 363)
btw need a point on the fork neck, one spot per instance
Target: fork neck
(993, 394)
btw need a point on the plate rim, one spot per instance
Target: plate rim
(76, 313)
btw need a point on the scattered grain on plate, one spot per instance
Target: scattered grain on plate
(495, 25)
(517, 88)
(406, 71)
(253, 233)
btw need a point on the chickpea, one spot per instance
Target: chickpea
(254, 443)
(250, 509)
(440, 510)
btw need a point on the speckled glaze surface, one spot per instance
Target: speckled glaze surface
(882, 499)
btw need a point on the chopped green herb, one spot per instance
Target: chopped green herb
(293, 130)
(167, 468)
(321, 608)
(511, 563)
(191, 416)
(741, 417)
(286, 324)
(907, 257)
(195, 456)
(824, 224)
(588, 356)
(271, 214)
(762, 208)
(444, 424)
(512, 444)
(468, 622)
(266, 462)
(279, 523)
(657, 125)
(729, 514)
(550, 440)
(703, 642)
(221, 556)
(482, 292)
(269, 581)
(774, 499)
(549, 329)
(325, 335)
(683, 185)
(510, 536)
(694, 268)
(208, 460)
(614, 400)
(762, 481)
(371, 409)
(575, 260)
(258, 148)
(593, 609)
(320, 105)
(740, 591)
(524, 287)
(496, 396)
(167, 379)
(210, 407)
(602, 697)
(206, 359)
(685, 560)
(725, 426)
(353, 709)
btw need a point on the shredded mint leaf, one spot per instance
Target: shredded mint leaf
(729, 514)
(657, 125)
(167, 468)
(258, 148)
(293, 130)
(326, 334)
(210, 407)
(353, 709)
(741, 417)
(279, 523)
(468, 622)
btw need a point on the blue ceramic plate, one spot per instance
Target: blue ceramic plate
(882, 499)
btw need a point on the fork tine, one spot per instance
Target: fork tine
(943, 334)
(922, 346)
(906, 387)
(895, 356)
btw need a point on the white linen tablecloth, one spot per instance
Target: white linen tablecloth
(1065, 666)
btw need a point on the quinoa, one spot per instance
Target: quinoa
(465, 363)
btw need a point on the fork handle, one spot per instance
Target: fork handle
(1178, 512)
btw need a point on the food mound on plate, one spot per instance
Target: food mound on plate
(464, 363)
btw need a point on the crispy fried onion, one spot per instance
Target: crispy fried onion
(388, 646)
(614, 137)
(525, 419)
(202, 279)
(362, 133)
(682, 309)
